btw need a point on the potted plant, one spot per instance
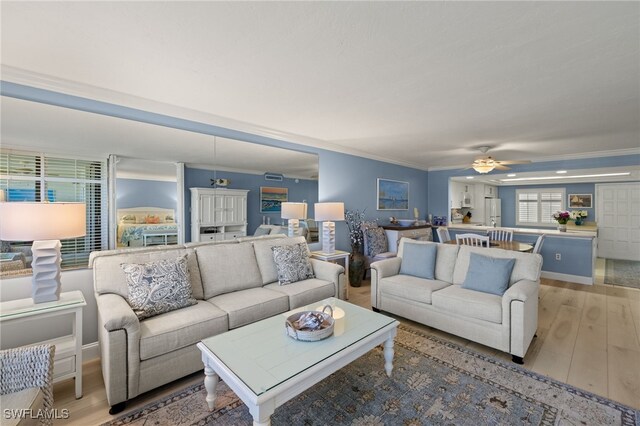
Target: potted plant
(579, 216)
(354, 219)
(562, 217)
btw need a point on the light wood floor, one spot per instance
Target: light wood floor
(588, 336)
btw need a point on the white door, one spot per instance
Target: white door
(618, 216)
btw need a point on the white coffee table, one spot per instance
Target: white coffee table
(266, 368)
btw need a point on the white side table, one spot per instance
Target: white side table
(67, 363)
(332, 257)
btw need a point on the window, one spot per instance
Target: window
(536, 206)
(39, 177)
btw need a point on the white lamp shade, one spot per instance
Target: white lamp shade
(29, 221)
(329, 211)
(293, 210)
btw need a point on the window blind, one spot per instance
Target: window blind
(39, 177)
(536, 206)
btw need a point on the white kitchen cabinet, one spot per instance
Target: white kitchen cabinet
(467, 196)
(218, 214)
(490, 191)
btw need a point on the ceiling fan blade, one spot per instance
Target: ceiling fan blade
(501, 167)
(515, 162)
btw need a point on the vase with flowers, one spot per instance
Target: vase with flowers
(562, 217)
(579, 216)
(354, 219)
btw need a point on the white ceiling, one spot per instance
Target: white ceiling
(58, 130)
(417, 83)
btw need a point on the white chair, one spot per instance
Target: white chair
(443, 234)
(538, 247)
(473, 240)
(499, 234)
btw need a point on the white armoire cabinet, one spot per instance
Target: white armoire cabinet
(218, 214)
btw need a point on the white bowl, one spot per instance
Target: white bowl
(406, 222)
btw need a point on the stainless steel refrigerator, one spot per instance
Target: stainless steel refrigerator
(492, 212)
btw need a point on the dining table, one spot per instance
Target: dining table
(505, 245)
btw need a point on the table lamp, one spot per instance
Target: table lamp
(293, 212)
(44, 224)
(327, 213)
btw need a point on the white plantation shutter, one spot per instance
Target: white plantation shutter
(39, 177)
(536, 206)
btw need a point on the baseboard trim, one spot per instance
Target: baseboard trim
(567, 277)
(90, 352)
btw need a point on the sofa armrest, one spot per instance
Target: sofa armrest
(119, 337)
(520, 314)
(330, 272)
(379, 270)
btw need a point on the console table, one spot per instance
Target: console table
(67, 362)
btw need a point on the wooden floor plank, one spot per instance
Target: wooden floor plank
(624, 375)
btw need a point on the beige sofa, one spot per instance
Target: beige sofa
(234, 282)
(506, 322)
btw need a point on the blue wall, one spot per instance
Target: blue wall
(305, 189)
(145, 193)
(343, 177)
(508, 197)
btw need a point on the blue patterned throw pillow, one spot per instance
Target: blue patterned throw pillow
(292, 263)
(158, 287)
(376, 241)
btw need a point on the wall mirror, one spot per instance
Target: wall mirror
(147, 154)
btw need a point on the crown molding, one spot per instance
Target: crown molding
(55, 84)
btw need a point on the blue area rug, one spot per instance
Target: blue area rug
(433, 382)
(622, 272)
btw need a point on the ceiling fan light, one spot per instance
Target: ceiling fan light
(483, 168)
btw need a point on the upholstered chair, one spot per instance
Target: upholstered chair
(26, 382)
(443, 234)
(376, 246)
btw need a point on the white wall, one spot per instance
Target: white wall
(12, 335)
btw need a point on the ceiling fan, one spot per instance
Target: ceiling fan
(486, 164)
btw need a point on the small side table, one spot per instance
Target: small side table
(67, 363)
(333, 257)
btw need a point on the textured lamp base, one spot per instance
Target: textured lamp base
(328, 237)
(46, 271)
(294, 226)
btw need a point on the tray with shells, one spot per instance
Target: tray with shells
(310, 326)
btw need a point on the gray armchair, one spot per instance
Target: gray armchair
(376, 245)
(26, 382)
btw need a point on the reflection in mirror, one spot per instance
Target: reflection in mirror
(146, 197)
(269, 174)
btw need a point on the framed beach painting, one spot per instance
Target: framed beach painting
(393, 194)
(580, 201)
(271, 199)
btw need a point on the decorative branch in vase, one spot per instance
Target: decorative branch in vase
(355, 219)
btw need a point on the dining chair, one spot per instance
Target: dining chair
(499, 234)
(538, 247)
(443, 234)
(473, 240)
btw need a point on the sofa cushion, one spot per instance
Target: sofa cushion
(445, 258)
(178, 329)
(227, 267)
(456, 300)
(292, 263)
(419, 260)
(411, 288)
(264, 256)
(246, 306)
(305, 292)
(527, 266)
(158, 287)
(108, 276)
(488, 274)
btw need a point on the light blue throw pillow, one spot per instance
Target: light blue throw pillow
(262, 231)
(419, 260)
(488, 274)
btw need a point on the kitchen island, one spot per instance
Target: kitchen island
(567, 256)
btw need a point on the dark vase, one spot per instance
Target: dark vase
(578, 221)
(356, 266)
